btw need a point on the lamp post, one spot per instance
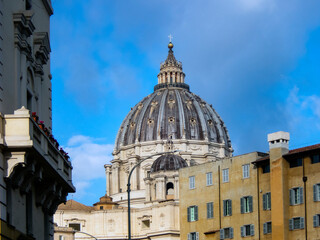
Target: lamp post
(129, 189)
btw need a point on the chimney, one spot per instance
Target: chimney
(279, 140)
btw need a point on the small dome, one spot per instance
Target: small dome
(170, 45)
(168, 162)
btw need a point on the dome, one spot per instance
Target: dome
(168, 162)
(172, 112)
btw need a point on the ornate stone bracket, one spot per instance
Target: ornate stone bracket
(23, 29)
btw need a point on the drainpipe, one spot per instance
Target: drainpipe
(304, 179)
(258, 191)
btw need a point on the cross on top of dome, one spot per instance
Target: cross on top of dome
(171, 74)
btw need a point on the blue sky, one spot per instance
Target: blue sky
(256, 61)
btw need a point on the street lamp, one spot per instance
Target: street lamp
(129, 190)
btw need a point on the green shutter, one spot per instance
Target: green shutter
(242, 205)
(197, 235)
(316, 221)
(315, 195)
(242, 231)
(196, 213)
(188, 214)
(264, 201)
(189, 236)
(291, 196)
(269, 200)
(265, 228)
(231, 232)
(224, 208)
(221, 233)
(252, 230)
(291, 224)
(250, 204)
(230, 207)
(301, 223)
(301, 195)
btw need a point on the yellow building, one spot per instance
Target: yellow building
(253, 196)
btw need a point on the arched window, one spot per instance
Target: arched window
(170, 188)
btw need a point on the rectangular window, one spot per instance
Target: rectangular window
(267, 228)
(295, 162)
(61, 237)
(192, 213)
(316, 220)
(245, 171)
(296, 196)
(192, 182)
(227, 207)
(210, 210)
(316, 192)
(266, 168)
(193, 236)
(296, 223)
(266, 201)
(315, 159)
(226, 233)
(209, 178)
(246, 204)
(225, 175)
(75, 226)
(247, 230)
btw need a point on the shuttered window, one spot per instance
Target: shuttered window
(210, 210)
(227, 207)
(267, 228)
(247, 230)
(209, 178)
(316, 192)
(266, 198)
(296, 196)
(192, 213)
(226, 233)
(246, 204)
(296, 223)
(316, 220)
(193, 236)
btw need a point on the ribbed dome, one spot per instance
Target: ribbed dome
(168, 162)
(172, 112)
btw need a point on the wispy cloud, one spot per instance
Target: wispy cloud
(303, 111)
(88, 156)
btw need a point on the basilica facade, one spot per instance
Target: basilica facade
(172, 118)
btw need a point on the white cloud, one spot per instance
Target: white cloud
(302, 110)
(88, 156)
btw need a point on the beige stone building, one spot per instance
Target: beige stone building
(253, 196)
(35, 176)
(170, 118)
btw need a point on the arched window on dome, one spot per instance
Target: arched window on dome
(170, 190)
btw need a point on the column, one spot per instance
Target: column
(148, 196)
(115, 177)
(176, 187)
(108, 173)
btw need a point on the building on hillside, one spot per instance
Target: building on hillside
(35, 176)
(253, 196)
(170, 114)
